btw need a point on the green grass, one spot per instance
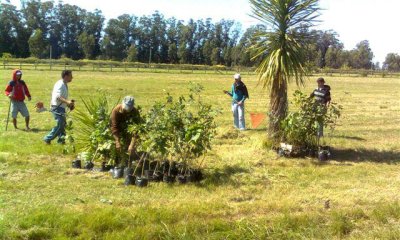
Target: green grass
(248, 192)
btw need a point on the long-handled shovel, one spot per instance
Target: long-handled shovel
(8, 115)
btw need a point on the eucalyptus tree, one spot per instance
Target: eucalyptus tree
(94, 22)
(118, 37)
(281, 45)
(392, 62)
(361, 56)
(70, 18)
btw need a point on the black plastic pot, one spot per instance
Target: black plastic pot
(77, 163)
(196, 175)
(148, 173)
(128, 171)
(156, 176)
(182, 179)
(88, 165)
(281, 152)
(105, 167)
(118, 172)
(130, 180)
(168, 179)
(312, 152)
(323, 155)
(141, 182)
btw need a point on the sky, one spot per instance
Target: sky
(353, 20)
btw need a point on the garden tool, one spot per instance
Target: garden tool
(8, 115)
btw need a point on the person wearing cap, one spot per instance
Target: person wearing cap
(322, 93)
(239, 94)
(322, 96)
(16, 90)
(120, 115)
(59, 102)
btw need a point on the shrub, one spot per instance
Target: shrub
(300, 126)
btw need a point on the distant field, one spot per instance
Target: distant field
(248, 192)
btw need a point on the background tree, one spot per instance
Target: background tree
(118, 37)
(132, 54)
(392, 62)
(361, 56)
(283, 43)
(37, 44)
(88, 44)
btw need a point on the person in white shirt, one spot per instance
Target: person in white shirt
(59, 102)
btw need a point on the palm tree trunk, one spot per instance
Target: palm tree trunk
(278, 108)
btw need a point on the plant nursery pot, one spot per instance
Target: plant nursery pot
(76, 163)
(182, 179)
(118, 172)
(153, 165)
(197, 175)
(105, 167)
(141, 182)
(281, 152)
(130, 180)
(164, 167)
(312, 153)
(156, 176)
(168, 179)
(128, 171)
(88, 165)
(148, 174)
(323, 155)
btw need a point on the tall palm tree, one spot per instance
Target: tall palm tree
(280, 42)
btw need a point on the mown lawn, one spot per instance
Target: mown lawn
(248, 193)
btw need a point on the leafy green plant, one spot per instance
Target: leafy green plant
(180, 130)
(300, 127)
(69, 138)
(94, 136)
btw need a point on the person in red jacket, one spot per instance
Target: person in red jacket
(16, 90)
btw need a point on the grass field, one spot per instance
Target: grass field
(248, 192)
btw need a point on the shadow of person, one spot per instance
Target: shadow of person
(365, 155)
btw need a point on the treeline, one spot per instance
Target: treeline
(48, 29)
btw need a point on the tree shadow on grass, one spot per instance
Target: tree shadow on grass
(365, 155)
(223, 176)
(350, 138)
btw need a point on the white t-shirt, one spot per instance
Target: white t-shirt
(60, 90)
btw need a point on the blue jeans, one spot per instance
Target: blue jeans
(59, 129)
(238, 116)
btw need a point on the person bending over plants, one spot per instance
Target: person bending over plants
(322, 96)
(121, 116)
